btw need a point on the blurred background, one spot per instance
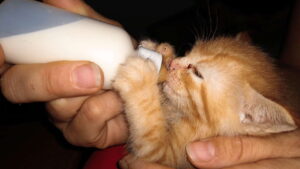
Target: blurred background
(27, 138)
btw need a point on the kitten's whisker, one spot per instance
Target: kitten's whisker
(216, 24)
(209, 18)
(195, 32)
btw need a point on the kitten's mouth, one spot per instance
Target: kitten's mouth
(168, 64)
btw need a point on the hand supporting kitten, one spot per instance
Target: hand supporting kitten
(239, 153)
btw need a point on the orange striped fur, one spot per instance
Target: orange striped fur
(223, 86)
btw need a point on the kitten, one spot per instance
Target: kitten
(222, 87)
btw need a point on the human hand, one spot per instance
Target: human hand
(3, 66)
(85, 114)
(278, 151)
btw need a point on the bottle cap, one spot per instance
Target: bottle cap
(155, 57)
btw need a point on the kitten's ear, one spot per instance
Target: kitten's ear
(244, 37)
(261, 115)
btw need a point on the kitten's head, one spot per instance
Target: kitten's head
(230, 85)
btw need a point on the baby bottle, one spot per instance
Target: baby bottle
(33, 32)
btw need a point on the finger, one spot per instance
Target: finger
(283, 163)
(79, 7)
(130, 162)
(1, 56)
(45, 82)
(227, 151)
(64, 110)
(98, 122)
(3, 66)
(114, 132)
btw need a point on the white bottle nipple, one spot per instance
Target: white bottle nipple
(152, 55)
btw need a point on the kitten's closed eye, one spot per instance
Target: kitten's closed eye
(195, 71)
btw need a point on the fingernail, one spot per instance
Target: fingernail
(87, 76)
(201, 151)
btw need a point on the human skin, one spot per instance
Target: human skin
(280, 151)
(86, 115)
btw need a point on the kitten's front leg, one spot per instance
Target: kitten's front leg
(137, 84)
(134, 76)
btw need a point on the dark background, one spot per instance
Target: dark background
(28, 140)
(181, 21)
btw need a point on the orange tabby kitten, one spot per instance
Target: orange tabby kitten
(223, 87)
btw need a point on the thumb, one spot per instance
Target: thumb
(49, 81)
(227, 151)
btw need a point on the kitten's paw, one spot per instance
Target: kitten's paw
(135, 74)
(165, 49)
(167, 52)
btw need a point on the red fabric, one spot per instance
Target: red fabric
(106, 159)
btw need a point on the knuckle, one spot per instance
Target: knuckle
(59, 125)
(9, 87)
(54, 106)
(230, 150)
(93, 108)
(1, 56)
(101, 141)
(248, 149)
(295, 143)
(102, 107)
(297, 147)
(51, 82)
(71, 138)
(95, 141)
(98, 140)
(238, 145)
(59, 111)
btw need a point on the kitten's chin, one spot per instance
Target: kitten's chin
(167, 90)
(170, 94)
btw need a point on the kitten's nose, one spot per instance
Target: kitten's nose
(175, 64)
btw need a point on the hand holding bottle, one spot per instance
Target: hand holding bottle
(87, 115)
